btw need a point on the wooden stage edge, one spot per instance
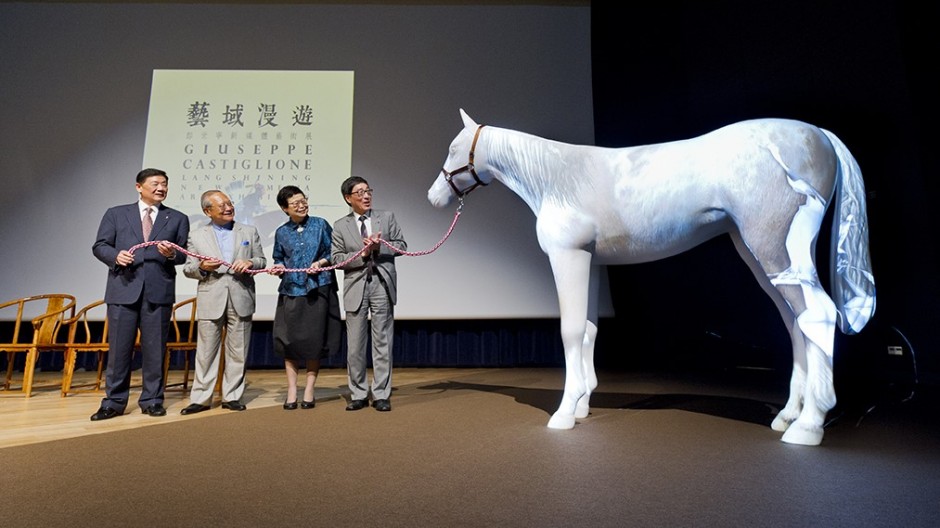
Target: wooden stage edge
(47, 416)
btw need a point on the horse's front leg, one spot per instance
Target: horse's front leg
(571, 269)
(587, 347)
(583, 408)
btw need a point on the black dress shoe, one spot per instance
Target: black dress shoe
(234, 405)
(105, 413)
(290, 406)
(156, 409)
(355, 405)
(382, 405)
(194, 408)
(308, 404)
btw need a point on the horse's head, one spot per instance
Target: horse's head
(459, 175)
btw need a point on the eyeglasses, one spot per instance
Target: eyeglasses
(223, 205)
(362, 192)
(297, 203)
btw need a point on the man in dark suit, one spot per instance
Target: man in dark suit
(140, 290)
(370, 284)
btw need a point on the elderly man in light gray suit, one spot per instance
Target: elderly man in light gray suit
(225, 298)
(370, 285)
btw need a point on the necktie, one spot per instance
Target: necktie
(365, 234)
(147, 224)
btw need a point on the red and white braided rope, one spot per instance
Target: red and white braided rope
(312, 268)
(434, 248)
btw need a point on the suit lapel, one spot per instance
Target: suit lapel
(159, 223)
(211, 241)
(134, 221)
(238, 236)
(352, 227)
(378, 224)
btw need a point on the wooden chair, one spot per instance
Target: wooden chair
(44, 336)
(183, 334)
(86, 336)
(88, 332)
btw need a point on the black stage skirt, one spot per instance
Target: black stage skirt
(308, 327)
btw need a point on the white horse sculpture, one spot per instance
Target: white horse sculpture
(766, 182)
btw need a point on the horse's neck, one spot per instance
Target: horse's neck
(525, 163)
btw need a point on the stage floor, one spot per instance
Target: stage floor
(47, 416)
(747, 397)
(469, 447)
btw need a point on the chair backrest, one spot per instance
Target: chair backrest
(59, 307)
(184, 320)
(83, 329)
(46, 327)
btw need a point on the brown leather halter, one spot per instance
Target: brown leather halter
(449, 176)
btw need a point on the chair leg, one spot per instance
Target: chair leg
(28, 372)
(67, 371)
(101, 360)
(10, 357)
(218, 382)
(185, 370)
(166, 367)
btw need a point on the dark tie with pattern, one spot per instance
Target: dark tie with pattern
(370, 265)
(147, 224)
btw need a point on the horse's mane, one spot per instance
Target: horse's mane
(539, 168)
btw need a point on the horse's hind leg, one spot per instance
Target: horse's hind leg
(817, 324)
(815, 318)
(791, 410)
(813, 314)
(810, 316)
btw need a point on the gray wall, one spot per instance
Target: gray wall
(75, 93)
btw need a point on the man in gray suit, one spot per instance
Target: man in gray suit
(370, 284)
(140, 290)
(225, 298)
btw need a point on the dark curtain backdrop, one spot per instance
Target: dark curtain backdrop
(670, 70)
(445, 343)
(442, 343)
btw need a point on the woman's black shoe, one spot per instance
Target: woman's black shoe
(290, 406)
(308, 404)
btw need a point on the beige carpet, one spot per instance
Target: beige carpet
(474, 451)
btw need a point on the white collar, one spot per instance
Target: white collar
(141, 206)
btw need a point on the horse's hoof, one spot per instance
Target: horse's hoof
(801, 436)
(561, 421)
(582, 411)
(780, 425)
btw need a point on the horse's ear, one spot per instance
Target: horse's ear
(467, 121)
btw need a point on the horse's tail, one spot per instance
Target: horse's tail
(852, 281)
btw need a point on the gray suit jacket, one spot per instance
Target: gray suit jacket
(347, 241)
(217, 286)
